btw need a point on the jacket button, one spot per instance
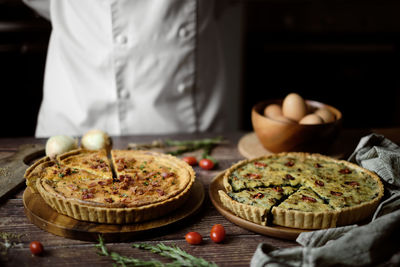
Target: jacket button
(121, 39)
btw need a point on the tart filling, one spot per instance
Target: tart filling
(332, 192)
(79, 184)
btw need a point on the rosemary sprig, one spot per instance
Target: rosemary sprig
(181, 257)
(182, 147)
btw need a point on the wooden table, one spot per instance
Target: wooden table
(236, 250)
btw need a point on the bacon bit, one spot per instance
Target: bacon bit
(87, 195)
(317, 165)
(278, 189)
(155, 183)
(290, 163)
(345, 171)
(167, 174)
(152, 174)
(92, 190)
(258, 196)
(319, 183)
(289, 177)
(310, 199)
(73, 187)
(92, 184)
(336, 193)
(109, 200)
(125, 201)
(160, 192)
(253, 175)
(55, 171)
(106, 182)
(353, 183)
(260, 164)
(125, 186)
(139, 192)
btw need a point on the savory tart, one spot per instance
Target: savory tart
(300, 190)
(80, 184)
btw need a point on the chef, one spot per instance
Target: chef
(131, 67)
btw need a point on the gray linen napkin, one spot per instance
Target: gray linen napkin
(353, 245)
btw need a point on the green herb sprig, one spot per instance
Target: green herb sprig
(180, 257)
(177, 147)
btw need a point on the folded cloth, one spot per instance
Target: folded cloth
(353, 245)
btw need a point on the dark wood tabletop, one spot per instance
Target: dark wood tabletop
(236, 250)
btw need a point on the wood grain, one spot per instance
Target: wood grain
(236, 250)
(12, 168)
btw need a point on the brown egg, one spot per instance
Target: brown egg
(325, 115)
(311, 119)
(294, 107)
(284, 119)
(273, 110)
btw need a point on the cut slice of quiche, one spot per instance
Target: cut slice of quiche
(329, 192)
(93, 161)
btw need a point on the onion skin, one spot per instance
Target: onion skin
(59, 144)
(95, 140)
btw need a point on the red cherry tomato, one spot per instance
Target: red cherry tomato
(206, 164)
(217, 233)
(36, 247)
(193, 238)
(192, 161)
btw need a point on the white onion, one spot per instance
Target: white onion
(95, 140)
(59, 144)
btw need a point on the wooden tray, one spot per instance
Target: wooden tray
(273, 230)
(250, 147)
(46, 218)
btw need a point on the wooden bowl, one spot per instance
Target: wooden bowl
(277, 136)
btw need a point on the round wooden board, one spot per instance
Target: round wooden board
(250, 147)
(46, 218)
(273, 230)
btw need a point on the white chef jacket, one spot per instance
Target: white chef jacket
(132, 67)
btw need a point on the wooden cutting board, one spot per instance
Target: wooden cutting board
(46, 218)
(12, 168)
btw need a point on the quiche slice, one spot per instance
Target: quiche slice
(261, 201)
(73, 189)
(93, 161)
(329, 192)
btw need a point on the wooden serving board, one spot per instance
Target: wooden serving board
(273, 230)
(250, 147)
(46, 218)
(14, 166)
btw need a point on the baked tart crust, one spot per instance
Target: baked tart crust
(325, 192)
(154, 185)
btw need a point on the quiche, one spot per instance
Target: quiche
(300, 190)
(81, 184)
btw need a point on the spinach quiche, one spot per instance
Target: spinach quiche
(300, 190)
(81, 184)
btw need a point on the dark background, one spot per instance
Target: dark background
(344, 53)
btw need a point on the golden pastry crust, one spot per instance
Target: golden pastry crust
(328, 192)
(141, 194)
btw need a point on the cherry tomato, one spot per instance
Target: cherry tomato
(36, 247)
(193, 238)
(206, 164)
(217, 233)
(192, 161)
